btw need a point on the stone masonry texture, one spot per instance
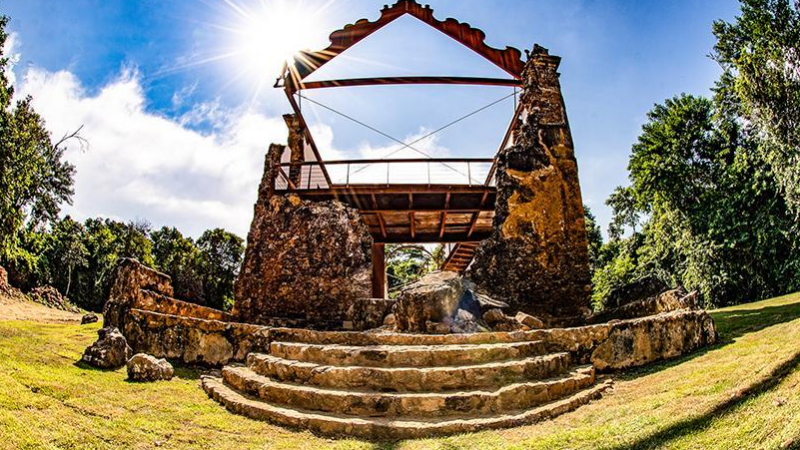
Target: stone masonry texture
(537, 257)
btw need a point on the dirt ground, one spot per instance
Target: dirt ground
(21, 309)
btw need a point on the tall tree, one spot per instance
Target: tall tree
(178, 257)
(594, 236)
(715, 220)
(221, 256)
(760, 52)
(34, 178)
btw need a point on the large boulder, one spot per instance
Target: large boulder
(144, 367)
(434, 298)
(89, 318)
(110, 351)
(308, 261)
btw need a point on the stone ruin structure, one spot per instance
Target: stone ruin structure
(312, 340)
(537, 256)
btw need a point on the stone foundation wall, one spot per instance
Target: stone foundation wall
(637, 342)
(164, 327)
(193, 340)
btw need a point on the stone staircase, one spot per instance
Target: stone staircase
(393, 386)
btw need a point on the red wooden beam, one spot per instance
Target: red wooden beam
(508, 59)
(385, 81)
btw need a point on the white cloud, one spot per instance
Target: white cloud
(142, 165)
(10, 52)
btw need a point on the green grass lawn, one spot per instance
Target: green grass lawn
(742, 393)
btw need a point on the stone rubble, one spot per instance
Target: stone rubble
(670, 300)
(89, 318)
(110, 351)
(50, 297)
(528, 320)
(144, 367)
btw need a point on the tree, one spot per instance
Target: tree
(761, 56)
(716, 222)
(178, 257)
(68, 252)
(34, 178)
(221, 256)
(594, 236)
(625, 212)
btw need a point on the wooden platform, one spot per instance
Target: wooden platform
(415, 213)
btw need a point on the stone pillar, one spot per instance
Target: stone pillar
(378, 270)
(272, 170)
(297, 147)
(537, 257)
(306, 262)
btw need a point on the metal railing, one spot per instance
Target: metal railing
(451, 171)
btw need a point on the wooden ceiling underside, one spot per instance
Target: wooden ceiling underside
(417, 213)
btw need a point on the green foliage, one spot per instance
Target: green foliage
(178, 257)
(221, 255)
(594, 236)
(715, 220)
(626, 212)
(408, 263)
(759, 52)
(34, 179)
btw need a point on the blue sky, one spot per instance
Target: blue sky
(178, 116)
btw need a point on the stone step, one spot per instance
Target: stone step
(410, 379)
(513, 397)
(372, 338)
(406, 355)
(388, 428)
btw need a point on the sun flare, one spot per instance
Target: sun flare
(271, 33)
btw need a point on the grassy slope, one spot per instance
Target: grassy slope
(743, 393)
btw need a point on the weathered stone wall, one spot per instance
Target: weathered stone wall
(306, 262)
(537, 257)
(632, 343)
(667, 301)
(128, 280)
(193, 340)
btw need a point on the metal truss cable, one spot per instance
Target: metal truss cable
(410, 145)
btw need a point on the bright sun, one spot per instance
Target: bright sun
(271, 32)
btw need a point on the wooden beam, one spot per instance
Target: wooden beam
(508, 59)
(413, 225)
(431, 209)
(475, 216)
(369, 189)
(385, 81)
(444, 215)
(378, 270)
(506, 137)
(307, 132)
(394, 161)
(431, 238)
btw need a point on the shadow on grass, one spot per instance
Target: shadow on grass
(81, 364)
(732, 324)
(694, 424)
